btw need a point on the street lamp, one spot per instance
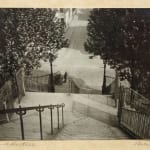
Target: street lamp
(51, 86)
(104, 90)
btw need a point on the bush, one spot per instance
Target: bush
(58, 79)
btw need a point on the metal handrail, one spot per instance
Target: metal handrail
(137, 93)
(136, 123)
(133, 116)
(21, 111)
(14, 110)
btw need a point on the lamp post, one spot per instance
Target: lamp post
(51, 84)
(104, 79)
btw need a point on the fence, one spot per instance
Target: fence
(42, 83)
(21, 111)
(137, 122)
(90, 93)
(133, 113)
(134, 100)
(37, 83)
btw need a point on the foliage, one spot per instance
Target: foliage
(121, 38)
(27, 35)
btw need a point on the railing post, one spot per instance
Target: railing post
(21, 113)
(63, 114)
(57, 115)
(40, 110)
(51, 107)
(120, 104)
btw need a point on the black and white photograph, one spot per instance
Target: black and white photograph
(74, 74)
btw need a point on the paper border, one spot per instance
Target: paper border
(76, 3)
(84, 144)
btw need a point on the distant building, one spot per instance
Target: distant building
(66, 15)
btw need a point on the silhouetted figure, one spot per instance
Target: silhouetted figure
(65, 77)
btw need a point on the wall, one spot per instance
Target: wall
(6, 100)
(20, 83)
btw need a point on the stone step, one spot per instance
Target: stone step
(89, 129)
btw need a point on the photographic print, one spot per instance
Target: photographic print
(74, 73)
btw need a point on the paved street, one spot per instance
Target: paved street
(75, 60)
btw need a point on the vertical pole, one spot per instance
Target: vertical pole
(71, 91)
(51, 113)
(104, 80)
(21, 123)
(69, 86)
(40, 118)
(62, 115)
(116, 89)
(120, 104)
(58, 115)
(52, 86)
(17, 86)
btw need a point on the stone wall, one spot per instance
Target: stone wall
(6, 100)
(10, 91)
(20, 83)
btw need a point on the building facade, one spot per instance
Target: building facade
(66, 15)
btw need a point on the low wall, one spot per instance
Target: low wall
(95, 113)
(10, 91)
(78, 86)
(6, 100)
(20, 83)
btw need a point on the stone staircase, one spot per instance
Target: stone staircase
(84, 119)
(99, 121)
(88, 128)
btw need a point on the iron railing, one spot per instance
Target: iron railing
(138, 123)
(37, 83)
(90, 93)
(133, 113)
(134, 100)
(21, 111)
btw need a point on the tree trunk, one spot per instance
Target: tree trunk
(104, 81)
(116, 93)
(52, 88)
(134, 86)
